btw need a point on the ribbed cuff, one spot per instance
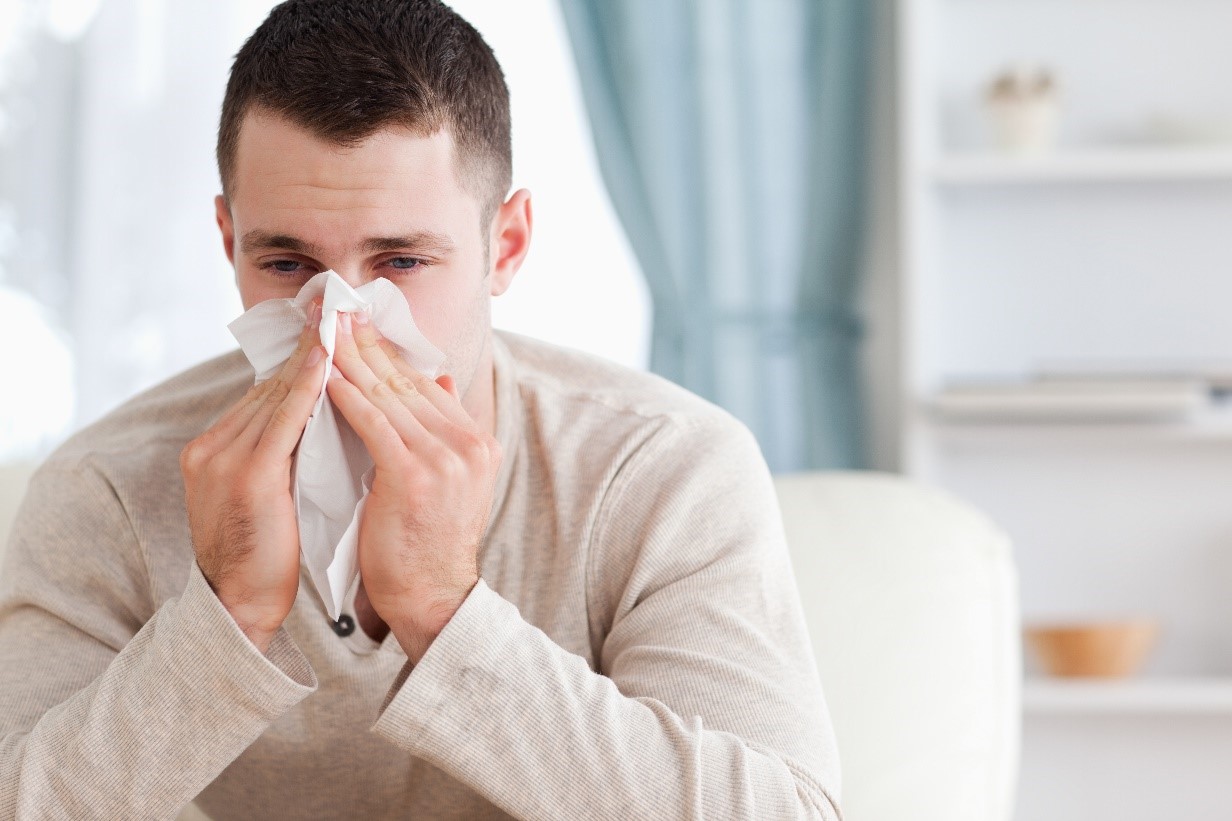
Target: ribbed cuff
(202, 642)
(433, 701)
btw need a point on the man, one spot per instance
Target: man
(576, 600)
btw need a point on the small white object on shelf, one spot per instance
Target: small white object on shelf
(1023, 110)
(1151, 696)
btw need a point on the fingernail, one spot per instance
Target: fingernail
(361, 317)
(344, 322)
(314, 356)
(333, 373)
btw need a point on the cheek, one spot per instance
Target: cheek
(444, 308)
(255, 287)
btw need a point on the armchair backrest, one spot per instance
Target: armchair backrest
(13, 479)
(911, 601)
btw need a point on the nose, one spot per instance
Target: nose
(351, 274)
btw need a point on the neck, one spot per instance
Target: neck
(480, 398)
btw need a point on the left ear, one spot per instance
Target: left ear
(511, 229)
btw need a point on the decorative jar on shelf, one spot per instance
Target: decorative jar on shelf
(1023, 110)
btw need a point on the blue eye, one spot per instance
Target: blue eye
(407, 263)
(283, 267)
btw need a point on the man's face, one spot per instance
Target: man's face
(391, 207)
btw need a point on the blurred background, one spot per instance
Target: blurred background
(983, 244)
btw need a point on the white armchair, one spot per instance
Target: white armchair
(911, 601)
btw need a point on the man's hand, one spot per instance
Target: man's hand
(431, 496)
(237, 483)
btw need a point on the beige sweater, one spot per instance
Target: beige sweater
(635, 648)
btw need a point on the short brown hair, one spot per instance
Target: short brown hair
(345, 69)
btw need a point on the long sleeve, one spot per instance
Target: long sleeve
(707, 703)
(109, 710)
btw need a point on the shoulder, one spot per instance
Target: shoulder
(586, 390)
(140, 440)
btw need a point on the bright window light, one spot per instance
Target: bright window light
(580, 285)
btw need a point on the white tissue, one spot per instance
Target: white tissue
(332, 471)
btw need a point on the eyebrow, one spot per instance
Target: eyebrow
(423, 241)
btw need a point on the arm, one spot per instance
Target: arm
(108, 709)
(710, 707)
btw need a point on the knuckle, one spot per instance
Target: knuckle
(280, 388)
(474, 448)
(281, 418)
(400, 384)
(259, 389)
(190, 457)
(303, 390)
(422, 381)
(372, 417)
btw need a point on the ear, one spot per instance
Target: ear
(511, 229)
(222, 214)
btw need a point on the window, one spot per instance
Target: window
(108, 123)
(580, 285)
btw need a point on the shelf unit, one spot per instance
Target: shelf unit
(1109, 248)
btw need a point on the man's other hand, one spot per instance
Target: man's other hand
(237, 483)
(431, 497)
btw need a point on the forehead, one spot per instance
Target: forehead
(279, 164)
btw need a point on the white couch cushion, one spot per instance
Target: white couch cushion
(911, 600)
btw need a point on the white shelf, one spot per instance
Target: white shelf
(1212, 424)
(1212, 427)
(1158, 696)
(1088, 165)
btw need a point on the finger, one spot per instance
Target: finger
(277, 396)
(232, 424)
(388, 446)
(278, 386)
(280, 437)
(229, 426)
(309, 337)
(367, 344)
(449, 404)
(408, 410)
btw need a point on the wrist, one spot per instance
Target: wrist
(260, 639)
(258, 631)
(415, 633)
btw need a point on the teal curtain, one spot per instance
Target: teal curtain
(731, 136)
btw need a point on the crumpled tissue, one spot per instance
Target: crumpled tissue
(332, 471)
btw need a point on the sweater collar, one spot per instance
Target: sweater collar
(508, 422)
